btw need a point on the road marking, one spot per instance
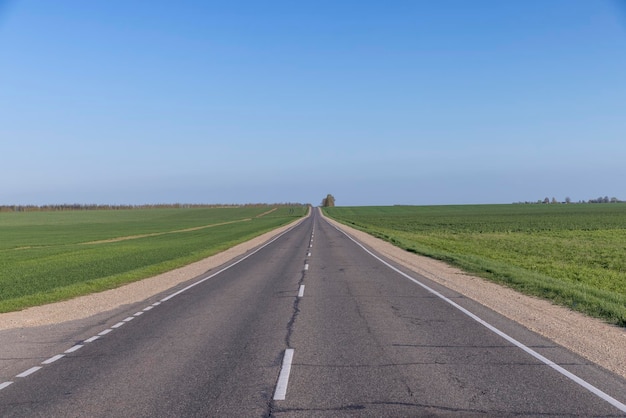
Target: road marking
(92, 339)
(5, 384)
(72, 349)
(147, 308)
(105, 332)
(53, 359)
(602, 395)
(130, 318)
(29, 371)
(311, 246)
(119, 324)
(139, 313)
(283, 379)
(301, 291)
(156, 303)
(165, 299)
(308, 255)
(306, 266)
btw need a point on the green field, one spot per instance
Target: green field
(51, 256)
(574, 255)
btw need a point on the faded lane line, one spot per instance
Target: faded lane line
(92, 339)
(619, 405)
(306, 266)
(283, 379)
(74, 348)
(301, 291)
(5, 384)
(53, 359)
(29, 371)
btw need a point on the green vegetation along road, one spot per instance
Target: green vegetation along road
(570, 254)
(51, 256)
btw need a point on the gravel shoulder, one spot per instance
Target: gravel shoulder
(590, 338)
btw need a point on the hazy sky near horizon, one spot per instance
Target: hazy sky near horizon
(378, 103)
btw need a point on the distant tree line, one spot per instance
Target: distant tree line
(567, 200)
(77, 206)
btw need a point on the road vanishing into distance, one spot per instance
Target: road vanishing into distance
(310, 324)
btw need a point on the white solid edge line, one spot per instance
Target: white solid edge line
(53, 359)
(301, 291)
(608, 398)
(230, 265)
(5, 384)
(283, 379)
(29, 371)
(74, 348)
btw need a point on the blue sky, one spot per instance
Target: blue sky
(378, 103)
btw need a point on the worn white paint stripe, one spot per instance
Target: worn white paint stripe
(147, 308)
(29, 371)
(105, 332)
(229, 266)
(283, 379)
(139, 313)
(130, 318)
(92, 339)
(301, 291)
(5, 384)
(306, 266)
(53, 359)
(119, 324)
(156, 303)
(72, 349)
(308, 255)
(619, 405)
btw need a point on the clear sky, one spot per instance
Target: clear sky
(376, 102)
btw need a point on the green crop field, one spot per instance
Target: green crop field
(51, 256)
(574, 255)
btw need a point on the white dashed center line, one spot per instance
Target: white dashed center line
(283, 378)
(301, 291)
(29, 371)
(75, 348)
(5, 384)
(53, 359)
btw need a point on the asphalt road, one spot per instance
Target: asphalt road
(309, 325)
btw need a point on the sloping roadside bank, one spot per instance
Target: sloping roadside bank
(597, 341)
(86, 306)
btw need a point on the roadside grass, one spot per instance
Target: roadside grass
(52, 256)
(573, 255)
